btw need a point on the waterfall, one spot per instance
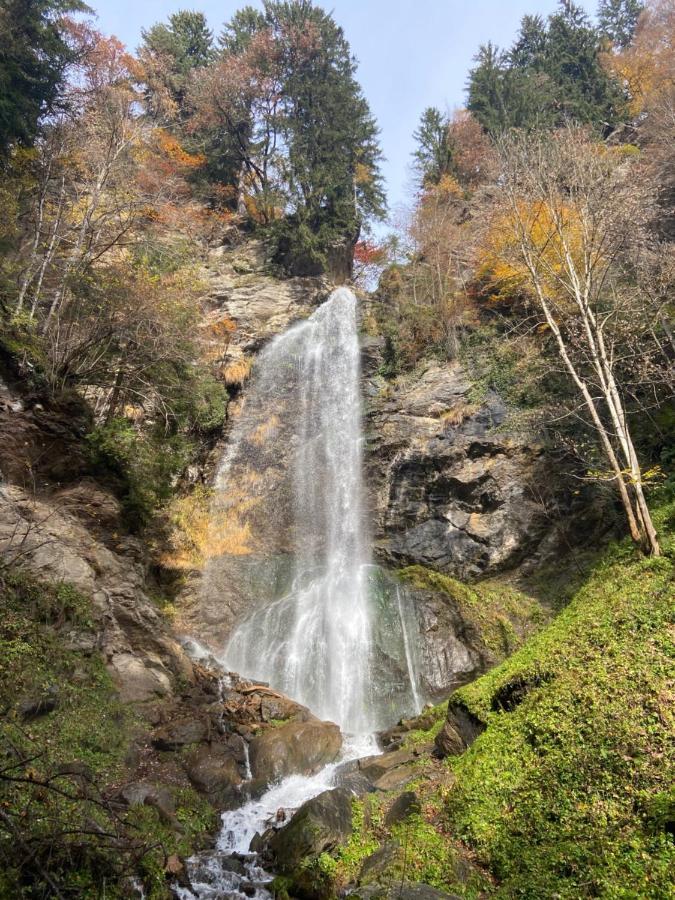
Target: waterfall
(321, 640)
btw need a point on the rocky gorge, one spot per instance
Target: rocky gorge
(460, 508)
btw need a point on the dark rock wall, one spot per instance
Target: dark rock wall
(450, 488)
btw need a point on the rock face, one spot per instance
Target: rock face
(241, 287)
(246, 307)
(448, 489)
(140, 652)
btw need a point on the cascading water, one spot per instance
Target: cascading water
(332, 632)
(315, 643)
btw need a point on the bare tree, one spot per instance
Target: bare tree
(573, 227)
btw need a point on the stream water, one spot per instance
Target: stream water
(342, 639)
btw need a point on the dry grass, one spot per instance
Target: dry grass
(234, 374)
(262, 433)
(459, 413)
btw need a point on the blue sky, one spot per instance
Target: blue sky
(411, 54)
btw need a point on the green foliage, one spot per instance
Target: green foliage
(176, 48)
(143, 465)
(58, 768)
(552, 74)
(565, 794)
(326, 154)
(433, 156)
(33, 63)
(617, 20)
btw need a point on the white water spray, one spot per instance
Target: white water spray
(342, 639)
(316, 642)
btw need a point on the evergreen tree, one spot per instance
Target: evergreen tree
(326, 123)
(33, 61)
(529, 49)
(487, 89)
(618, 19)
(433, 156)
(172, 50)
(237, 33)
(585, 92)
(552, 74)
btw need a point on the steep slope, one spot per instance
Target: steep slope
(566, 789)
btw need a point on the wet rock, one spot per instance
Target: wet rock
(318, 826)
(406, 805)
(356, 783)
(214, 771)
(297, 747)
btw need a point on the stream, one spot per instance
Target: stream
(231, 870)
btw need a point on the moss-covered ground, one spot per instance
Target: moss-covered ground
(568, 792)
(62, 831)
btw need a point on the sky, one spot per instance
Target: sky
(412, 54)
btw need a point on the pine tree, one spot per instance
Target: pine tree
(487, 89)
(552, 74)
(618, 19)
(529, 49)
(584, 90)
(433, 156)
(332, 169)
(237, 33)
(33, 61)
(172, 50)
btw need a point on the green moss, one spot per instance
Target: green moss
(58, 769)
(196, 817)
(426, 726)
(567, 793)
(561, 794)
(502, 615)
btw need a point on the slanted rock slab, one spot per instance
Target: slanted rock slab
(317, 827)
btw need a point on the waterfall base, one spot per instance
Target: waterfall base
(232, 870)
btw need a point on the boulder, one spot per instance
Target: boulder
(34, 707)
(459, 731)
(144, 793)
(386, 861)
(214, 771)
(317, 827)
(449, 742)
(375, 767)
(180, 734)
(405, 805)
(293, 748)
(136, 681)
